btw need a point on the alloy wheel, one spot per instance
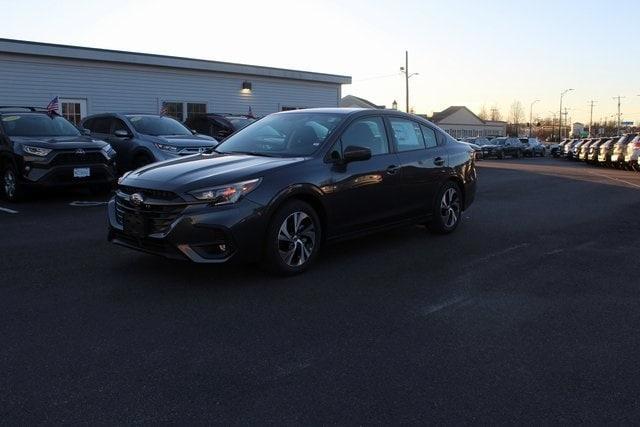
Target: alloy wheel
(9, 180)
(296, 239)
(450, 207)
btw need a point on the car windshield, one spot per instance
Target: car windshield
(37, 125)
(157, 125)
(283, 135)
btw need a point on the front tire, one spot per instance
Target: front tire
(293, 239)
(447, 212)
(12, 189)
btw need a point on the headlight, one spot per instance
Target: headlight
(36, 151)
(226, 194)
(108, 151)
(165, 147)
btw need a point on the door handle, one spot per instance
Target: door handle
(438, 161)
(392, 170)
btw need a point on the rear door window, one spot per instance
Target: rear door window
(407, 134)
(99, 125)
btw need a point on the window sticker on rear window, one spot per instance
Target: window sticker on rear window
(10, 118)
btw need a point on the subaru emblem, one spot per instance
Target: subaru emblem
(136, 199)
(201, 150)
(80, 152)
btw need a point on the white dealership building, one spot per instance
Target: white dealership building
(90, 81)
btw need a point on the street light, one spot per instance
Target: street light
(407, 76)
(531, 115)
(560, 121)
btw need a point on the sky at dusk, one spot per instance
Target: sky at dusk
(466, 52)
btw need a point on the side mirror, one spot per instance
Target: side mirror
(193, 131)
(85, 131)
(356, 154)
(121, 133)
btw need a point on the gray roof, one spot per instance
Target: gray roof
(22, 47)
(361, 102)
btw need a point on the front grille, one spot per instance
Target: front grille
(156, 215)
(72, 158)
(193, 150)
(164, 195)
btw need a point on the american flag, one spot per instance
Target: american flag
(164, 111)
(53, 106)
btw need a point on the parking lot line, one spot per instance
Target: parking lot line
(10, 211)
(617, 179)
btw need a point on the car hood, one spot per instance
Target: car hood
(204, 170)
(183, 141)
(60, 142)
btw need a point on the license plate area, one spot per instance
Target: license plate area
(81, 172)
(134, 225)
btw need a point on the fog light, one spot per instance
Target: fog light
(222, 248)
(27, 168)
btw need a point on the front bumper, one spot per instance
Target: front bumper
(57, 170)
(199, 233)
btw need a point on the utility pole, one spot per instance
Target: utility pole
(591, 119)
(619, 98)
(407, 76)
(531, 116)
(560, 113)
(566, 113)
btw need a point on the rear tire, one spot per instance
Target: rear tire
(11, 188)
(293, 239)
(447, 210)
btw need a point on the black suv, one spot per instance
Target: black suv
(218, 126)
(279, 188)
(42, 149)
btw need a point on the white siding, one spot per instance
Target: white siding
(110, 87)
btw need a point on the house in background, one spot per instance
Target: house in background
(460, 122)
(351, 101)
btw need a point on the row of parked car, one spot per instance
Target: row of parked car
(39, 148)
(501, 147)
(620, 152)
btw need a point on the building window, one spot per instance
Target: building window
(173, 109)
(181, 110)
(194, 109)
(73, 110)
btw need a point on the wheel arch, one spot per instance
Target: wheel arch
(307, 193)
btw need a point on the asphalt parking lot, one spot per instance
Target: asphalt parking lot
(528, 313)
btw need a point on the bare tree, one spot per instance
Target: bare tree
(495, 113)
(516, 114)
(483, 114)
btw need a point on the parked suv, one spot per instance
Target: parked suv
(41, 149)
(281, 187)
(141, 139)
(594, 149)
(509, 147)
(633, 152)
(218, 126)
(532, 147)
(620, 149)
(606, 149)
